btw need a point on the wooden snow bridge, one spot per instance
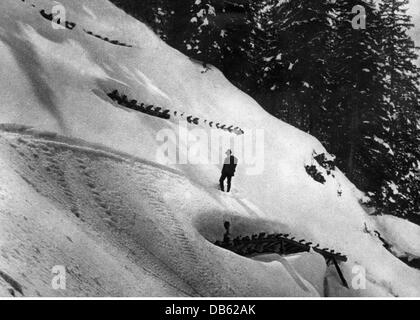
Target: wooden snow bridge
(281, 244)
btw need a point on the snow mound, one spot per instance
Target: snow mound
(93, 195)
(402, 235)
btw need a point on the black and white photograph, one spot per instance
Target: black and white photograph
(209, 149)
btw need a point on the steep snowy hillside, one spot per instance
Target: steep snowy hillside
(97, 196)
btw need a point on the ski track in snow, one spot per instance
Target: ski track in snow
(119, 203)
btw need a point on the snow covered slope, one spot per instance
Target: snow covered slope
(120, 225)
(402, 235)
(95, 199)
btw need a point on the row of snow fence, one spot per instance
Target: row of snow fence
(282, 244)
(114, 42)
(159, 112)
(151, 110)
(133, 104)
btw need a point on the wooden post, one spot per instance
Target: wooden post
(340, 274)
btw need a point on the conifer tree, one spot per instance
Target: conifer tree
(222, 34)
(296, 61)
(357, 93)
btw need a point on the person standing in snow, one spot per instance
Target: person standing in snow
(228, 171)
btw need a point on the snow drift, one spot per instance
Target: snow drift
(81, 185)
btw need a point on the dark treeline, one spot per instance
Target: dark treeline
(356, 90)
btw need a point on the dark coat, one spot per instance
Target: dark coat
(229, 166)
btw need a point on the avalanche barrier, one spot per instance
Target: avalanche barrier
(71, 25)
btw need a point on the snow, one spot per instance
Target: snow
(308, 269)
(81, 184)
(383, 143)
(112, 219)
